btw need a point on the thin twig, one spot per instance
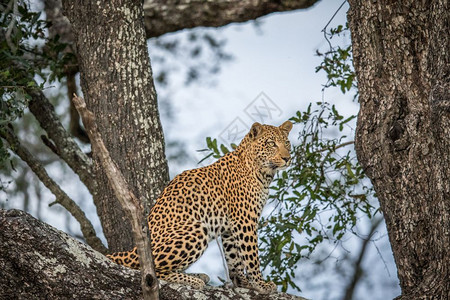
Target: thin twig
(61, 197)
(324, 30)
(335, 148)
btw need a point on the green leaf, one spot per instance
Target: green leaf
(224, 149)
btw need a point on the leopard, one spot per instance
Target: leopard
(224, 199)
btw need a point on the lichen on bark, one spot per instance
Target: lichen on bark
(34, 255)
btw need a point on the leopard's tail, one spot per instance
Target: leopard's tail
(127, 258)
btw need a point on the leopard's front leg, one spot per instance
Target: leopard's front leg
(247, 244)
(235, 264)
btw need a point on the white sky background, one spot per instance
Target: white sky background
(277, 59)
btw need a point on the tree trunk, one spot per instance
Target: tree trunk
(403, 134)
(38, 261)
(118, 88)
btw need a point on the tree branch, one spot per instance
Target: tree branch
(163, 16)
(357, 270)
(54, 265)
(61, 197)
(61, 26)
(66, 147)
(127, 199)
(336, 147)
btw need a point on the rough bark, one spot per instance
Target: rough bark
(402, 139)
(128, 201)
(38, 261)
(117, 83)
(163, 16)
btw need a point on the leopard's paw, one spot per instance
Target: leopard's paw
(264, 287)
(202, 276)
(239, 279)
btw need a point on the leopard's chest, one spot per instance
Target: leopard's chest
(231, 206)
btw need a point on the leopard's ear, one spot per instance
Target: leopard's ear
(286, 127)
(255, 130)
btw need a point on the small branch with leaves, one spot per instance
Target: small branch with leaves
(131, 205)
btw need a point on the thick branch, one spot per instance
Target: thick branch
(117, 82)
(127, 199)
(61, 197)
(168, 16)
(400, 54)
(67, 148)
(38, 261)
(163, 17)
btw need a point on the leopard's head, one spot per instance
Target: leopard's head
(269, 146)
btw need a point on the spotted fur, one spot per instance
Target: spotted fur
(223, 199)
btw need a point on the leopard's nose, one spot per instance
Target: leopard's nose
(286, 159)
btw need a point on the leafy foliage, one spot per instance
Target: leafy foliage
(338, 62)
(25, 53)
(318, 198)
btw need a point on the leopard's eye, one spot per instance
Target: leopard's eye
(287, 144)
(270, 143)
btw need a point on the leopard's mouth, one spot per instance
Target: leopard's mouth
(288, 163)
(280, 166)
(283, 167)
